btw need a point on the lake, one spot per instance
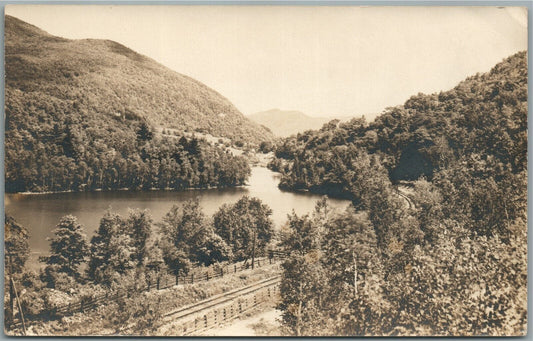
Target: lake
(41, 212)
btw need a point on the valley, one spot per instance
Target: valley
(141, 202)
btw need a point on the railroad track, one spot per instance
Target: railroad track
(407, 199)
(402, 194)
(217, 300)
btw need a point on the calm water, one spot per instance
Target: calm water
(40, 213)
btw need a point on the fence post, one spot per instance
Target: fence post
(177, 276)
(192, 278)
(81, 306)
(158, 282)
(235, 267)
(221, 272)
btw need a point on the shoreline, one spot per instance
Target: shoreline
(136, 190)
(99, 190)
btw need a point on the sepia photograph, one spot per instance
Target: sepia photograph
(253, 170)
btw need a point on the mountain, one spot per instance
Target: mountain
(481, 122)
(285, 123)
(83, 115)
(106, 79)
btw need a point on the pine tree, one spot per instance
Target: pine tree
(68, 247)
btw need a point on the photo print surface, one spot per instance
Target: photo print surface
(265, 170)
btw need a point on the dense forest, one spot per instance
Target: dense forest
(129, 253)
(83, 115)
(449, 258)
(50, 152)
(484, 117)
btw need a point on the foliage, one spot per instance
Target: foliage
(17, 249)
(85, 118)
(190, 239)
(448, 259)
(68, 249)
(135, 315)
(112, 252)
(484, 115)
(139, 225)
(111, 81)
(245, 225)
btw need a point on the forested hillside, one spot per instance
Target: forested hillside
(448, 259)
(80, 115)
(484, 118)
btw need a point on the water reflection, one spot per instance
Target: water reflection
(40, 213)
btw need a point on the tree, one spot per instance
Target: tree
(246, 226)
(17, 248)
(139, 226)
(189, 239)
(144, 132)
(213, 249)
(112, 252)
(303, 278)
(332, 277)
(266, 147)
(68, 247)
(353, 293)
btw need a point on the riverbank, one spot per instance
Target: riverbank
(153, 189)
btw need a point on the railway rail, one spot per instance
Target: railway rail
(203, 315)
(220, 299)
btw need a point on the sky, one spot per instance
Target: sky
(321, 60)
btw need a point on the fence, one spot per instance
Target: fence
(225, 313)
(197, 274)
(166, 281)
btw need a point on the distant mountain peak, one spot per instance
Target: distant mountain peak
(284, 123)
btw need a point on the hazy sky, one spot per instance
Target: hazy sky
(321, 60)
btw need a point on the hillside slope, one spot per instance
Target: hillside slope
(284, 123)
(448, 256)
(483, 118)
(80, 115)
(104, 78)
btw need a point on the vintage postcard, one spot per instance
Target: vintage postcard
(238, 170)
